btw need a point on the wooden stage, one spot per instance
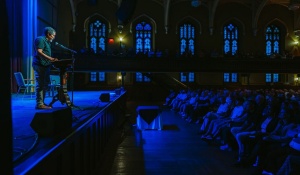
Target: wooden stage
(42, 135)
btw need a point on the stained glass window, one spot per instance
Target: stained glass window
(230, 39)
(230, 77)
(187, 48)
(272, 78)
(97, 43)
(272, 40)
(187, 77)
(143, 37)
(141, 78)
(187, 39)
(143, 44)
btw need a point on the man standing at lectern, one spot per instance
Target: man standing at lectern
(41, 65)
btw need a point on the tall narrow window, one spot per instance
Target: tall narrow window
(187, 39)
(143, 45)
(143, 37)
(272, 40)
(268, 77)
(97, 36)
(234, 78)
(187, 77)
(226, 77)
(272, 47)
(230, 77)
(97, 43)
(275, 78)
(272, 78)
(141, 78)
(187, 48)
(230, 39)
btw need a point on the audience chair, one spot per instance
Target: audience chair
(25, 84)
(54, 84)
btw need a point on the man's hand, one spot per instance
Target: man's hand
(54, 59)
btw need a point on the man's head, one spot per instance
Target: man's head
(50, 33)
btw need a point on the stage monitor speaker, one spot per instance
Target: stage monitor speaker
(51, 122)
(126, 10)
(105, 97)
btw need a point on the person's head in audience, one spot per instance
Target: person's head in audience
(284, 116)
(260, 99)
(239, 101)
(272, 108)
(249, 105)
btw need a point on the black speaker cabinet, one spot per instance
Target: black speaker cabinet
(105, 97)
(51, 122)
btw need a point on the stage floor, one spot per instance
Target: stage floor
(25, 139)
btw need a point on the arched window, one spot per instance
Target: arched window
(272, 47)
(143, 37)
(187, 39)
(230, 39)
(143, 45)
(272, 40)
(97, 37)
(187, 48)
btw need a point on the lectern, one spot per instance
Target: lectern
(62, 95)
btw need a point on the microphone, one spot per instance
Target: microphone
(64, 47)
(57, 44)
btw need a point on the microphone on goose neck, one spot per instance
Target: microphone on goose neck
(57, 44)
(64, 47)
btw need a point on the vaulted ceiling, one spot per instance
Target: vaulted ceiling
(220, 2)
(256, 7)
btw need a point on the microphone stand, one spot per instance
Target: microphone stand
(72, 78)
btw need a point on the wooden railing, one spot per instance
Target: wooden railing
(81, 151)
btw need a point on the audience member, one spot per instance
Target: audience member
(218, 124)
(222, 112)
(247, 138)
(229, 132)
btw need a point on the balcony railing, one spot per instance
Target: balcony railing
(103, 63)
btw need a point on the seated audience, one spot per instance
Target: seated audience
(291, 166)
(276, 157)
(247, 138)
(251, 115)
(201, 106)
(170, 97)
(218, 124)
(276, 139)
(222, 112)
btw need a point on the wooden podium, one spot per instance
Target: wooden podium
(62, 95)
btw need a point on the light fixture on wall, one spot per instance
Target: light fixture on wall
(121, 44)
(294, 4)
(119, 78)
(196, 3)
(296, 81)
